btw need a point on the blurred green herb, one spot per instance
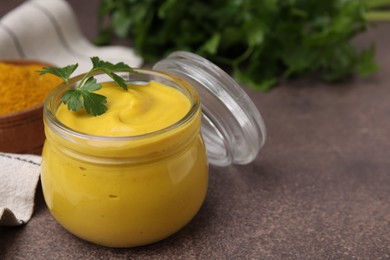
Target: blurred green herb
(260, 41)
(81, 95)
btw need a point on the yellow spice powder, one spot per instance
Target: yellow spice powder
(22, 87)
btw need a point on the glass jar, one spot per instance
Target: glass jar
(136, 190)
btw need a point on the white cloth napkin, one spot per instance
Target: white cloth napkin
(19, 175)
(45, 30)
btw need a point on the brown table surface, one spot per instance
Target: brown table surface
(320, 188)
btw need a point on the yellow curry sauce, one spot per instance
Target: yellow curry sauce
(140, 110)
(117, 200)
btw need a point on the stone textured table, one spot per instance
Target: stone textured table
(320, 189)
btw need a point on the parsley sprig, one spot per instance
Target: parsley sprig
(260, 42)
(82, 95)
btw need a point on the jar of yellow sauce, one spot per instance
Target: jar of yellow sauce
(129, 190)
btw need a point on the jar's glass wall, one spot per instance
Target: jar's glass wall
(125, 191)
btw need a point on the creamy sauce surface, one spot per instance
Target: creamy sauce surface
(140, 110)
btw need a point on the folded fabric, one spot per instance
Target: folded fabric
(19, 175)
(47, 30)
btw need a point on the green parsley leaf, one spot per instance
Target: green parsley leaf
(260, 42)
(63, 73)
(82, 96)
(73, 99)
(94, 104)
(109, 69)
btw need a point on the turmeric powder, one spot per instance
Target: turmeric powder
(22, 87)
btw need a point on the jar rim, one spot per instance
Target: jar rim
(50, 108)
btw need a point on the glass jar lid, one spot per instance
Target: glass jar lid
(232, 127)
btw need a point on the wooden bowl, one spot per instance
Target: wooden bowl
(22, 131)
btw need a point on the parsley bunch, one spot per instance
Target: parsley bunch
(259, 41)
(82, 96)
